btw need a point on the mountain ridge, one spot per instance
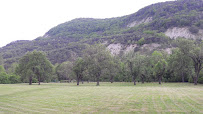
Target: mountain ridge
(66, 41)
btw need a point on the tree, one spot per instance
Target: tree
(159, 65)
(179, 63)
(122, 72)
(2, 69)
(64, 70)
(78, 68)
(141, 41)
(1, 60)
(139, 65)
(195, 52)
(146, 69)
(34, 64)
(113, 68)
(97, 58)
(135, 63)
(129, 59)
(159, 69)
(11, 70)
(3, 76)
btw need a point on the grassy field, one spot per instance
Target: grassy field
(107, 98)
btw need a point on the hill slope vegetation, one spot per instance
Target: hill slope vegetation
(67, 40)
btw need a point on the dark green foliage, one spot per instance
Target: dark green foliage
(4, 78)
(67, 40)
(178, 64)
(194, 29)
(79, 69)
(194, 52)
(34, 65)
(97, 59)
(64, 70)
(200, 80)
(2, 69)
(1, 60)
(141, 41)
(86, 27)
(159, 65)
(14, 79)
(200, 24)
(9, 79)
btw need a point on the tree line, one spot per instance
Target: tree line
(97, 64)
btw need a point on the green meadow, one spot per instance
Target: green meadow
(116, 97)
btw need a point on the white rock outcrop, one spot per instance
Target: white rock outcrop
(183, 32)
(130, 47)
(151, 46)
(135, 23)
(115, 48)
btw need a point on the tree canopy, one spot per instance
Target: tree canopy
(34, 65)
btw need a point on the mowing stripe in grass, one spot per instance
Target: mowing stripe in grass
(107, 98)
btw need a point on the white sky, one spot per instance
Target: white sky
(29, 19)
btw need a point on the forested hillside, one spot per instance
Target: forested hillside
(66, 41)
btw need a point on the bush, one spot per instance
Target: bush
(190, 80)
(34, 80)
(141, 41)
(9, 79)
(14, 79)
(200, 80)
(194, 30)
(149, 32)
(4, 79)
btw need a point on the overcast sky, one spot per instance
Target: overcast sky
(29, 19)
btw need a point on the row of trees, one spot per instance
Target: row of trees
(184, 64)
(6, 78)
(97, 64)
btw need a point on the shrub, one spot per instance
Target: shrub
(14, 79)
(190, 80)
(34, 80)
(4, 79)
(200, 80)
(194, 30)
(141, 41)
(149, 32)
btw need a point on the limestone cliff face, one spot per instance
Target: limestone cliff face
(116, 49)
(183, 32)
(136, 23)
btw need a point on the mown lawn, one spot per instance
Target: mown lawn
(106, 98)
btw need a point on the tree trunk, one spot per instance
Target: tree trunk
(197, 71)
(111, 80)
(97, 81)
(78, 81)
(134, 80)
(159, 79)
(195, 80)
(183, 78)
(142, 78)
(30, 81)
(39, 80)
(98, 76)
